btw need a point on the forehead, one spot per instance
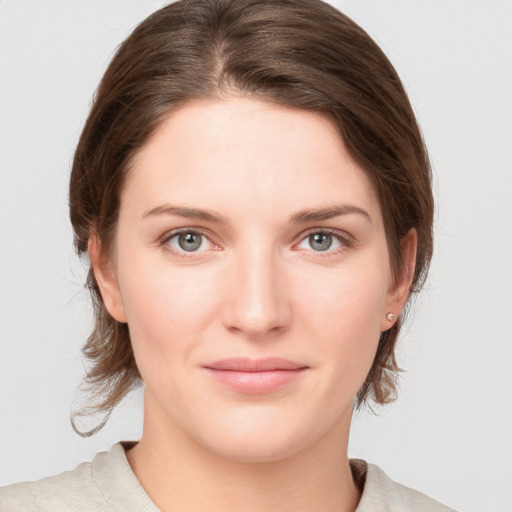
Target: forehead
(242, 151)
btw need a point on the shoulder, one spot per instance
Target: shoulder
(105, 484)
(71, 490)
(81, 489)
(381, 494)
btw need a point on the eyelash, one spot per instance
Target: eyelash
(165, 239)
(344, 239)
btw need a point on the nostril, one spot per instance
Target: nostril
(257, 318)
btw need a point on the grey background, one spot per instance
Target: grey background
(450, 433)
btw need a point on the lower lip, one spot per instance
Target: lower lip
(255, 382)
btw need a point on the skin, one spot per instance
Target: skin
(256, 287)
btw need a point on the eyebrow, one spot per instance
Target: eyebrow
(300, 217)
(189, 213)
(314, 214)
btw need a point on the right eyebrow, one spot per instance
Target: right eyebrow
(189, 213)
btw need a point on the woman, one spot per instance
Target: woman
(254, 196)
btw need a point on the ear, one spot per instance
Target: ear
(400, 288)
(106, 278)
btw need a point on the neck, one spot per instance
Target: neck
(180, 474)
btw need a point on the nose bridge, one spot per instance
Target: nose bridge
(258, 302)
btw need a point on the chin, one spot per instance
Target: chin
(260, 438)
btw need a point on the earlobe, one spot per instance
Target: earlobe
(106, 279)
(399, 292)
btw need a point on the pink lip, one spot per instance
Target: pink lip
(255, 376)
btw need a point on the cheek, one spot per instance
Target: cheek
(166, 308)
(351, 298)
(343, 321)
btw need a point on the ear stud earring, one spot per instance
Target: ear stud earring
(390, 316)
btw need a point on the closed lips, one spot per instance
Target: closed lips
(256, 376)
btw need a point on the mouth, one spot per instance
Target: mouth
(255, 376)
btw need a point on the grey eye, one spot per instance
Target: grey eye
(190, 241)
(320, 241)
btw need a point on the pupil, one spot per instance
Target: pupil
(190, 241)
(320, 241)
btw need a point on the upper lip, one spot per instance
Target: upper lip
(245, 364)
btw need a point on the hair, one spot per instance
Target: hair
(303, 54)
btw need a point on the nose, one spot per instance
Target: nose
(258, 303)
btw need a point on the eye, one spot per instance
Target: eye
(322, 241)
(188, 241)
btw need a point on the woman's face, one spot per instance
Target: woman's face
(252, 269)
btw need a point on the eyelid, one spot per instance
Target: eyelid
(345, 238)
(167, 236)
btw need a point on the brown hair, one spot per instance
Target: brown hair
(299, 53)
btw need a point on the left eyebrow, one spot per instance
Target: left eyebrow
(314, 214)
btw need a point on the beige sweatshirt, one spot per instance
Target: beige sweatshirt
(109, 484)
